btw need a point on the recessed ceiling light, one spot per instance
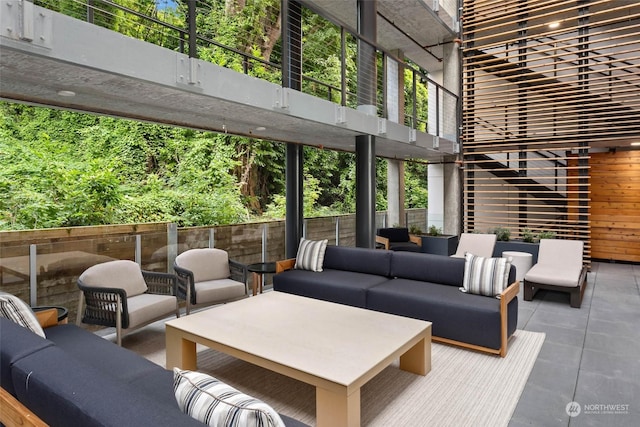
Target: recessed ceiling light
(554, 24)
(635, 144)
(260, 128)
(66, 93)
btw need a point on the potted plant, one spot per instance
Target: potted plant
(434, 242)
(528, 241)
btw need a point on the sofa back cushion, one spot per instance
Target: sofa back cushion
(123, 274)
(16, 342)
(394, 234)
(428, 268)
(360, 260)
(205, 263)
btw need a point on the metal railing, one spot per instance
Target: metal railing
(429, 107)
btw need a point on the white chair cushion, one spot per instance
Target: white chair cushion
(215, 403)
(122, 274)
(549, 275)
(477, 244)
(218, 290)
(148, 307)
(205, 264)
(16, 310)
(559, 263)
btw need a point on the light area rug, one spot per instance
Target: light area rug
(464, 387)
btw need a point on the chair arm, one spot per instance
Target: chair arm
(47, 318)
(505, 297)
(415, 239)
(510, 292)
(383, 240)
(239, 273)
(101, 303)
(14, 413)
(185, 282)
(284, 265)
(160, 283)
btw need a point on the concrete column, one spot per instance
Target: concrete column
(453, 213)
(292, 78)
(395, 168)
(435, 213)
(366, 144)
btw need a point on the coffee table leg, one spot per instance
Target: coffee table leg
(181, 353)
(336, 409)
(418, 358)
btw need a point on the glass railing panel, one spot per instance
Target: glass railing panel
(14, 270)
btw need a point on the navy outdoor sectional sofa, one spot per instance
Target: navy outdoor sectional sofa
(74, 377)
(417, 285)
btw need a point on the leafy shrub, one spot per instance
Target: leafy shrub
(546, 235)
(434, 231)
(527, 235)
(504, 234)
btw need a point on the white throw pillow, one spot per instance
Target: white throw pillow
(311, 254)
(485, 276)
(215, 403)
(14, 309)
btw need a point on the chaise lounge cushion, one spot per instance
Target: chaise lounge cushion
(462, 317)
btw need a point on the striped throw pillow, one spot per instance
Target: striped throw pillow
(311, 254)
(485, 276)
(215, 403)
(14, 309)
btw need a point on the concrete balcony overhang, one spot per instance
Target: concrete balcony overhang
(49, 55)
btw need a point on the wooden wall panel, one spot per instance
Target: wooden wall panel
(615, 206)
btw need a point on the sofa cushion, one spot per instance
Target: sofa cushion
(16, 310)
(59, 389)
(16, 342)
(467, 318)
(394, 234)
(101, 354)
(359, 260)
(428, 268)
(123, 274)
(345, 287)
(311, 254)
(215, 403)
(485, 276)
(205, 263)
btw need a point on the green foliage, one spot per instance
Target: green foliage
(503, 234)
(434, 231)
(528, 236)
(546, 235)
(62, 168)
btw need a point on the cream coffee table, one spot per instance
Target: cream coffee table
(334, 347)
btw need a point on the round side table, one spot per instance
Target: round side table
(521, 260)
(259, 269)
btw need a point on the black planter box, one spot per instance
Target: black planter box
(518, 246)
(439, 245)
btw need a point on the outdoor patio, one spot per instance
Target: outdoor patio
(590, 355)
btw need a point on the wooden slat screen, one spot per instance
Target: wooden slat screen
(536, 100)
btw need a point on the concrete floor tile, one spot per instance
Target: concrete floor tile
(557, 334)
